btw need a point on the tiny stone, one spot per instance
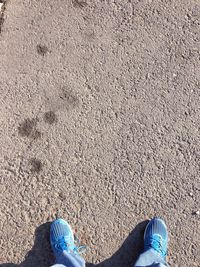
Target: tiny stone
(191, 194)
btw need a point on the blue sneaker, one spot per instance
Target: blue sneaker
(156, 236)
(62, 238)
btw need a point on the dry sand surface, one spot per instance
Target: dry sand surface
(99, 124)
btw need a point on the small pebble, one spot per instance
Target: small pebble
(191, 194)
(196, 212)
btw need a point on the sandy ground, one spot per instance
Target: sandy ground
(99, 124)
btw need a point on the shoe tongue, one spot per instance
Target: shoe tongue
(72, 247)
(157, 237)
(68, 240)
(70, 243)
(157, 242)
(61, 244)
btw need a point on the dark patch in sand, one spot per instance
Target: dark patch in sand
(42, 49)
(2, 10)
(69, 97)
(28, 129)
(50, 117)
(36, 165)
(79, 3)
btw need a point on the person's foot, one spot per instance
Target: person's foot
(62, 237)
(156, 236)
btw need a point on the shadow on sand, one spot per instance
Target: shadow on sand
(41, 255)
